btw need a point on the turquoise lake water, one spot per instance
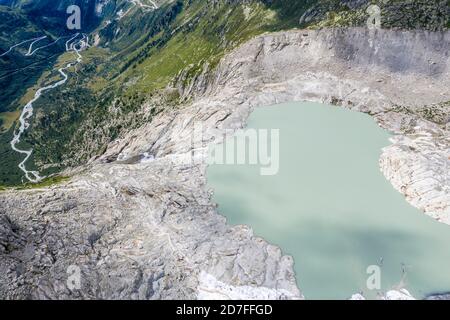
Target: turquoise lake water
(331, 208)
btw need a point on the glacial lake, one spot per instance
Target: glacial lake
(331, 208)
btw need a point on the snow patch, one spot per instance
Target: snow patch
(210, 288)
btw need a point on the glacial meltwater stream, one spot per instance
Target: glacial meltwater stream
(331, 208)
(27, 112)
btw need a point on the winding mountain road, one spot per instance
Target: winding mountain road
(30, 48)
(138, 3)
(22, 43)
(30, 53)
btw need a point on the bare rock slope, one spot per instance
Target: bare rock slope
(148, 229)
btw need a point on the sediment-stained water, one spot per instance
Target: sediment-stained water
(331, 208)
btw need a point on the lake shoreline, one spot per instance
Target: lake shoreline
(344, 209)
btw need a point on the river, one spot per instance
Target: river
(27, 112)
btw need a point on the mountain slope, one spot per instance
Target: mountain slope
(20, 67)
(143, 61)
(138, 56)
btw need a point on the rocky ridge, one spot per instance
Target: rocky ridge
(148, 229)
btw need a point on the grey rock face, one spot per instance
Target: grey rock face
(400, 14)
(148, 229)
(135, 232)
(9, 238)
